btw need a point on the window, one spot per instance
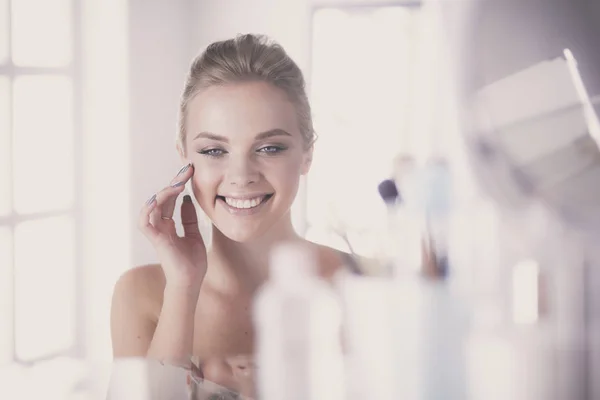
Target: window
(362, 92)
(39, 203)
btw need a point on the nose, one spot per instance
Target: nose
(242, 171)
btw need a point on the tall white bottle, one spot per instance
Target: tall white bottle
(430, 315)
(298, 317)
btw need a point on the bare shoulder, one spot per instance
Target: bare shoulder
(142, 287)
(330, 259)
(136, 303)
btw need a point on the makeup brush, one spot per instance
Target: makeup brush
(388, 191)
(391, 196)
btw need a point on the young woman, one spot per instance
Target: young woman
(245, 139)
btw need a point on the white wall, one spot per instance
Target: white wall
(161, 47)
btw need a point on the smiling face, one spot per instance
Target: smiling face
(248, 156)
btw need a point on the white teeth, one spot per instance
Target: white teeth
(243, 204)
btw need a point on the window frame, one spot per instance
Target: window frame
(72, 71)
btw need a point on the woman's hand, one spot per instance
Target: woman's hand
(183, 259)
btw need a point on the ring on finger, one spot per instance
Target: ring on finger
(166, 218)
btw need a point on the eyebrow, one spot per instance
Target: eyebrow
(261, 136)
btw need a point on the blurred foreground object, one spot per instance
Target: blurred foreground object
(531, 74)
(530, 84)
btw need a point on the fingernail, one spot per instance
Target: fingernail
(187, 198)
(151, 200)
(178, 184)
(183, 169)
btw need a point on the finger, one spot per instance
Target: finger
(167, 197)
(184, 174)
(144, 224)
(160, 218)
(189, 218)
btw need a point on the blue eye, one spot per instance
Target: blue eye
(212, 152)
(272, 149)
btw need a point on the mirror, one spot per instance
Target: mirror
(531, 77)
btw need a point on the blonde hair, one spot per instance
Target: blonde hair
(242, 59)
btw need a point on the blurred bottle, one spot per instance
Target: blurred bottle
(298, 322)
(429, 319)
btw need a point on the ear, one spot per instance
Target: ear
(307, 160)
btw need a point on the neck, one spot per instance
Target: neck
(244, 266)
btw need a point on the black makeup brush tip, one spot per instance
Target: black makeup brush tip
(388, 191)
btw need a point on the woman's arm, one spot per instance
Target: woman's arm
(173, 340)
(166, 293)
(134, 327)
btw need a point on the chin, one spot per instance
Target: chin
(241, 234)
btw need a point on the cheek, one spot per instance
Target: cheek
(207, 174)
(292, 172)
(205, 182)
(286, 175)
